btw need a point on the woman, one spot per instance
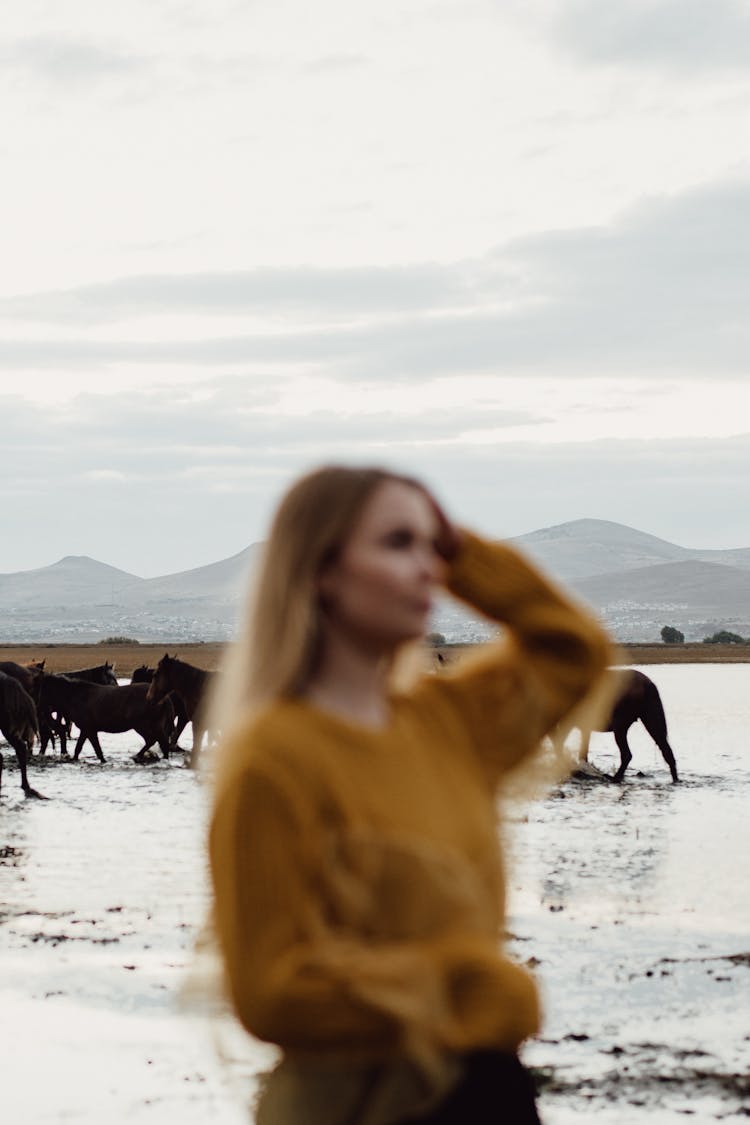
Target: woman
(358, 883)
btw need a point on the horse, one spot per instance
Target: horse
(190, 685)
(27, 676)
(51, 724)
(18, 724)
(97, 707)
(636, 697)
(144, 675)
(23, 673)
(99, 674)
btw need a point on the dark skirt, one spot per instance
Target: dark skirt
(496, 1090)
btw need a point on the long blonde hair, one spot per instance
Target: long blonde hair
(279, 645)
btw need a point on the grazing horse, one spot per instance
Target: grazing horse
(190, 685)
(96, 707)
(144, 675)
(18, 724)
(636, 697)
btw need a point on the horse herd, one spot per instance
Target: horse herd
(157, 704)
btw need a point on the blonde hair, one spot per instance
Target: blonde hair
(280, 640)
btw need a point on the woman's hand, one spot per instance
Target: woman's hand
(448, 538)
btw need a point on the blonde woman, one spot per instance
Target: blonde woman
(357, 870)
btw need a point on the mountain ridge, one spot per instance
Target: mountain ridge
(635, 580)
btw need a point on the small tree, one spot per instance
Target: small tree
(672, 636)
(725, 638)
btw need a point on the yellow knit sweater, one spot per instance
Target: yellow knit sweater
(359, 890)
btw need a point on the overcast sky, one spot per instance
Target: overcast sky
(504, 244)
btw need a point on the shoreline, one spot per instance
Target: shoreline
(62, 657)
(693, 652)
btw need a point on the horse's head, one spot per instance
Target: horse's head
(38, 675)
(161, 684)
(108, 675)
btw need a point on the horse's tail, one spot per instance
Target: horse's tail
(652, 716)
(20, 711)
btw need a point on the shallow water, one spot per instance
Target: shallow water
(631, 902)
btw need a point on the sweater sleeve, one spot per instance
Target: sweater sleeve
(299, 981)
(552, 656)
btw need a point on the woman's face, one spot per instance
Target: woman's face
(380, 588)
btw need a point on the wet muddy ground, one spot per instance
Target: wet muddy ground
(630, 902)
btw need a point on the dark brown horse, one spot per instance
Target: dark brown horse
(637, 697)
(24, 673)
(99, 674)
(191, 686)
(18, 724)
(50, 723)
(96, 707)
(144, 675)
(27, 676)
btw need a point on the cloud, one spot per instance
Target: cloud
(305, 290)
(343, 62)
(663, 289)
(67, 61)
(164, 431)
(681, 35)
(158, 481)
(156, 486)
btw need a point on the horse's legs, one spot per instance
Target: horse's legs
(22, 754)
(181, 721)
(94, 740)
(621, 738)
(147, 743)
(583, 750)
(198, 732)
(165, 742)
(668, 756)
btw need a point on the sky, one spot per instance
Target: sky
(501, 244)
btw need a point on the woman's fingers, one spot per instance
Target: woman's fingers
(448, 538)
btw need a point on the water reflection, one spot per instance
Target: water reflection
(607, 846)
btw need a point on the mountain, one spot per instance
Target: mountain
(74, 580)
(636, 581)
(584, 548)
(221, 581)
(698, 597)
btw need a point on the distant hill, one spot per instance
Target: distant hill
(74, 580)
(637, 581)
(224, 580)
(698, 597)
(584, 548)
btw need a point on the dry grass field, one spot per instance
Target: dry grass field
(126, 657)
